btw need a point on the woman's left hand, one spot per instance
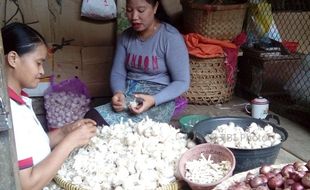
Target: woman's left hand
(147, 103)
(58, 135)
(72, 126)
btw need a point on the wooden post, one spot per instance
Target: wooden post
(9, 178)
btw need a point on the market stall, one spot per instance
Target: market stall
(147, 154)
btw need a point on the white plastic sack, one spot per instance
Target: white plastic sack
(99, 9)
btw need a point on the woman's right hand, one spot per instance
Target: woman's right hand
(118, 102)
(81, 136)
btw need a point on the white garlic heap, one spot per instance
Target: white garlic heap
(128, 155)
(253, 137)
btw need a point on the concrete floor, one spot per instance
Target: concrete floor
(295, 148)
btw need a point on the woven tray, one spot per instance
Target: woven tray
(69, 186)
(215, 21)
(208, 82)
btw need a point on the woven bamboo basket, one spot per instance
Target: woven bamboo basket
(209, 82)
(215, 21)
(69, 186)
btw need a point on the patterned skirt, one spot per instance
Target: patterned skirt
(160, 113)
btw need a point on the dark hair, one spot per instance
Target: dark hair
(152, 2)
(161, 14)
(20, 38)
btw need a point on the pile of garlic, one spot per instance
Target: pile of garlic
(206, 171)
(253, 137)
(129, 155)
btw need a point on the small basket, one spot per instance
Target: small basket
(223, 22)
(69, 186)
(217, 153)
(209, 82)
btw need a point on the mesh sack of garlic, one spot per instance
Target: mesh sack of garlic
(65, 107)
(129, 155)
(251, 137)
(65, 102)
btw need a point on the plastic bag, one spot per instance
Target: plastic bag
(181, 104)
(73, 85)
(99, 9)
(264, 22)
(65, 102)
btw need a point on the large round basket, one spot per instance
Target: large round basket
(215, 21)
(69, 186)
(209, 82)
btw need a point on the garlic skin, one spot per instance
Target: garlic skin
(205, 171)
(129, 155)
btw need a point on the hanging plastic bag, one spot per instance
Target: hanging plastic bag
(264, 21)
(99, 9)
(65, 102)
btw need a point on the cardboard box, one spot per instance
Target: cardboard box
(67, 63)
(96, 67)
(92, 65)
(66, 22)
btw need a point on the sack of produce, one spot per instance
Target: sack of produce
(65, 102)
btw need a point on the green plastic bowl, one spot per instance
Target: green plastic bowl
(187, 122)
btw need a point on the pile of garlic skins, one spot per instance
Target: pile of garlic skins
(65, 107)
(136, 156)
(206, 171)
(253, 137)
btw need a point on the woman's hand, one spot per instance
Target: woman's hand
(148, 102)
(58, 135)
(66, 129)
(118, 102)
(81, 134)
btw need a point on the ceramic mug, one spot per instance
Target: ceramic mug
(259, 108)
